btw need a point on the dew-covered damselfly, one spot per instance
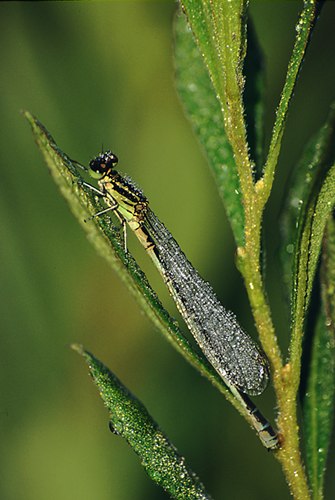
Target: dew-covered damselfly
(232, 352)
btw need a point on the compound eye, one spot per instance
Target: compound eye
(110, 159)
(102, 164)
(97, 169)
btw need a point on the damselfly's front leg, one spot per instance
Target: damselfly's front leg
(112, 208)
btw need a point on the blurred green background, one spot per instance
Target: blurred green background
(102, 73)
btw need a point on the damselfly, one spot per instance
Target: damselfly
(235, 356)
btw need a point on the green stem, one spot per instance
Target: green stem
(254, 199)
(289, 454)
(248, 261)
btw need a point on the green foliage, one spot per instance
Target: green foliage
(220, 79)
(130, 420)
(304, 28)
(319, 398)
(310, 201)
(219, 30)
(107, 240)
(203, 109)
(307, 176)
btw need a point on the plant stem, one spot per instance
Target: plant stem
(248, 260)
(254, 200)
(289, 454)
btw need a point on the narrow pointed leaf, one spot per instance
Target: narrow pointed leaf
(131, 420)
(311, 225)
(319, 400)
(219, 29)
(109, 243)
(319, 206)
(203, 109)
(316, 158)
(107, 240)
(304, 29)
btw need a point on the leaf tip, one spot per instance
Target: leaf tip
(26, 114)
(79, 348)
(88, 357)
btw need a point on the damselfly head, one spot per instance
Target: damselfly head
(102, 164)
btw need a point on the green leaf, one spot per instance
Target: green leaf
(203, 109)
(221, 35)
(130, 419)
(304, 28)
(319, 206)
(311, 226)
(109, 243)
(107, 240)
(219, 29)
(319, 399)
(315, 161)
